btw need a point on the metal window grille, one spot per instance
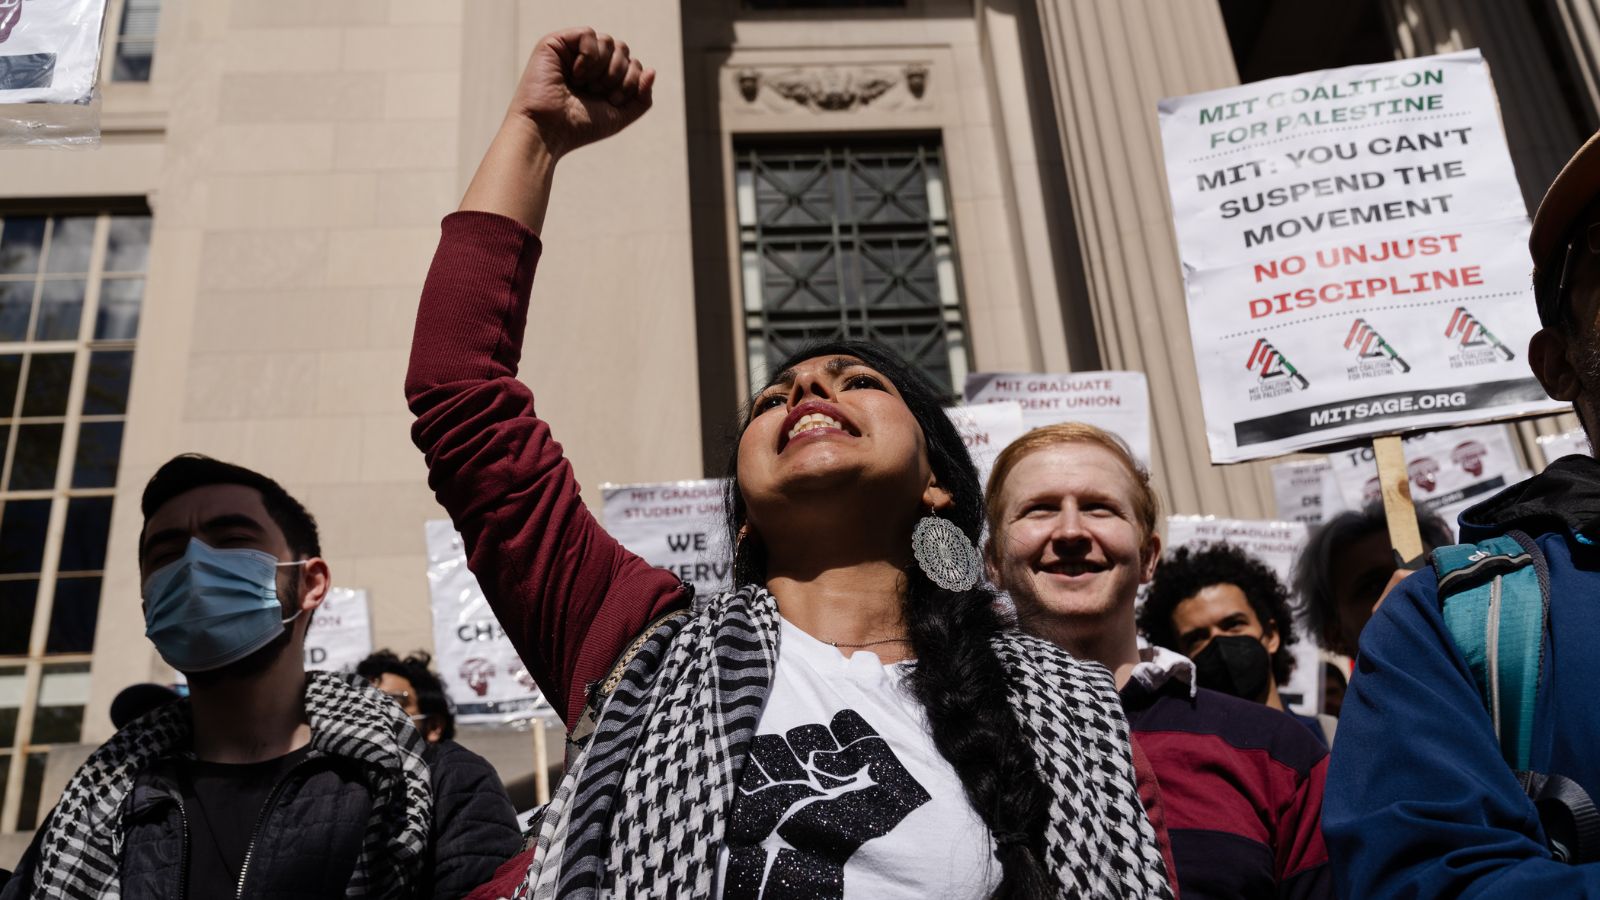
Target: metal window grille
(71, 288)
(850, 241)
(136, 40)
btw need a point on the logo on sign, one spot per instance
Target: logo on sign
(476, 672)
(1375, 356)
(1477, 345)
(1469, 456)
(1372, 491)
(1424, 473)
(1275, 375)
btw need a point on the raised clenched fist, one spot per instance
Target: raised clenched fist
(581, 86)
(808, 800)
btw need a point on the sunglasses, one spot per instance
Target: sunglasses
(1553, 290)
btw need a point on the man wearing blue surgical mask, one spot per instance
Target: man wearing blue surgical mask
(267, 780)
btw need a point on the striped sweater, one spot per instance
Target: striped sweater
(1241, 784)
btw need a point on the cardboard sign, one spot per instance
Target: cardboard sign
(340, 634)
(987, 429)
(1354, 253)
(676, 525)
(1567, 443)
(1298, 488)
(49, 50)
(1278, 545)
(1118, 402)
(485, 678)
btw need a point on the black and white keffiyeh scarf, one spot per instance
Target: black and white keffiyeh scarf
(82, 845)
(643, 810)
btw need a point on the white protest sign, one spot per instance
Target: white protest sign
(1449, 470)
(49, 50)
(340, 634)
(987, 429)
(1297, 486)
(1566, 443)
(1118, 402)
(1278, 545)
(676, 525)
(485, 678)
(1354, 252)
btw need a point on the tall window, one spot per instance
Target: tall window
(136, 40)
(71, 287)
(850, 241)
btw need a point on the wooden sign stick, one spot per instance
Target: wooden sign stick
(541, 762)
(1404, 535)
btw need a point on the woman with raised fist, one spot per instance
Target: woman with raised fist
(852, 720)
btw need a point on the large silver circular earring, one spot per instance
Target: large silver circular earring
(944, 554)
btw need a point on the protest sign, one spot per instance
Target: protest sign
(1353, 244)
(1119, 402)
(1278, 545)
(49, 50)
(676, 525)
(1298, 488)
(1449, 470)
(1566, 443)
(340, 634)
(481, 671)
(987, 429)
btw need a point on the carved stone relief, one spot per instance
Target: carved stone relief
(832, 89)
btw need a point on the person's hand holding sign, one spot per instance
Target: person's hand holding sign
(580, 86)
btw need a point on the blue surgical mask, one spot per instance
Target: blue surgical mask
(213, 607)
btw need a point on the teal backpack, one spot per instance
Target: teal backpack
(1496, 596)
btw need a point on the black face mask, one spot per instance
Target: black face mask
(1236, 664)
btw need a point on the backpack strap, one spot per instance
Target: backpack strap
(1571, 823)
(1496, 597)
(1496, 608)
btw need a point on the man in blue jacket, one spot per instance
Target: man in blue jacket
(1420, 801)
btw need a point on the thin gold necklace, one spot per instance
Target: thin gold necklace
(895, 640)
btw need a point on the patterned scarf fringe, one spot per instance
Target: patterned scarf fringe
(642, 811)
(81, 850)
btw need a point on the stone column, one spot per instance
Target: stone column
(1110, 61)
(1539, 125)
(1578, 27)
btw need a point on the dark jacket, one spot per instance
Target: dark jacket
(1420, 802)
(474, 823)
(318, 819)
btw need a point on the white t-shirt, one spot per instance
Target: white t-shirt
(844, 794)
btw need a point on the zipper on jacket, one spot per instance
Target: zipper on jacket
(183, 852)
(261, 820)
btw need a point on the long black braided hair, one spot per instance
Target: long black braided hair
(958, 678)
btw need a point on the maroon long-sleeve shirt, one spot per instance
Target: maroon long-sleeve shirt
(568, 595)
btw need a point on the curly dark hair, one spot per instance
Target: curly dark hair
(958, 679)
(431, 699)
(1189, 570)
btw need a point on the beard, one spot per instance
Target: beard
(1586, 363)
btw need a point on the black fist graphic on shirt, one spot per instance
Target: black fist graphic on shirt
(807, 801)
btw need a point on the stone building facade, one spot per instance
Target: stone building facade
(266, 202)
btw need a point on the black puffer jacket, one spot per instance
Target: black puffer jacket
(317, 820)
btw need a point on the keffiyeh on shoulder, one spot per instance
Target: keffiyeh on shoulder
(642, 810)
(81, 849)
